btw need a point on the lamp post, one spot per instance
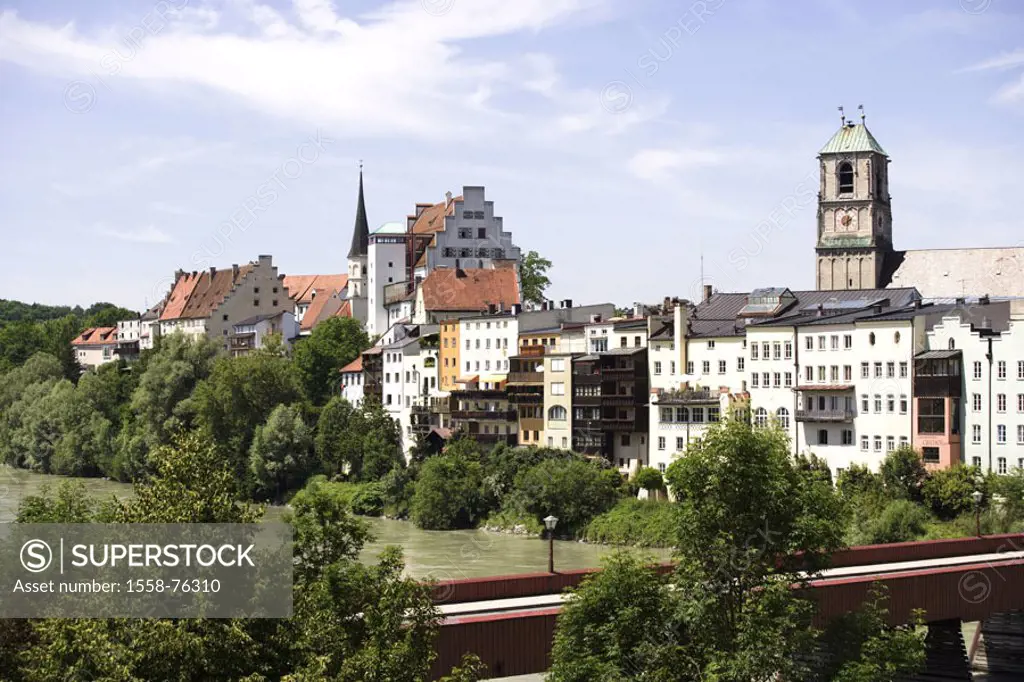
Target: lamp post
(549, 523)
(977, 497)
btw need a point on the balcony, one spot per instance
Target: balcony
(485, 415)
(532, 351)
(586, 379)
(396, 292)
(526, 377)
(628, 369)
(480, 393)
(618, 399)
(584, 400)
(825, 416)
(687, 397)
(938, 386)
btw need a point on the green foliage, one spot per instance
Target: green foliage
(39, 368)
(336, 447)
(471, 669)
(239, 395)
(448, 493)
(948, 492)
(903, 473)
(70, 504)
(325, 530)
(898, 521)
(573, 490)
(502, 464)
(858, 480)
(333, 344)
(533, 277)
(645, 523)
(649, 479)
(814, 466)
(281, 454)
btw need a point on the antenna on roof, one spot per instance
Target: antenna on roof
(842, 117)
(360, 165)
(863, 116)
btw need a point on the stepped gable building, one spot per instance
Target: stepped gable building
(855, 247)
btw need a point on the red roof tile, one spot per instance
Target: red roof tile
(325, 303)
(354, 366)
(197, 295)
(301, 287)
(96, 336)
(470, 289)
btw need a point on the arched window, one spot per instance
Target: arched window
(952, 344)
(896, 337)
(760, 417)
(871, 338)
(845, 173)
(783, 416)
(557, 414)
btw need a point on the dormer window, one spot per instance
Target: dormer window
(845, 174)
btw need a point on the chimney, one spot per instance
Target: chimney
(516, 308)
(595, 318)
(234, 271)
(707, 293)
(984, 300)
(491, 308)
(680, 327)
(960, 300)
(819, 312)
(213, 271)
(638, 310)
(567, 303)
(178, 274)
(460, 273)
(447, 199)
(917, 304)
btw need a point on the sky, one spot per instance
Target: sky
(628, 141)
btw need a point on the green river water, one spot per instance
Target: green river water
(442, 555)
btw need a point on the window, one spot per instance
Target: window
(847, 437)
(697, 415)
(753, 351)
(1001, 402)
(865, 370)
(1020, 434)
(930, 455)
(782, 414)
(624, 440)
(255, 303)
(976, 461)
(657, 367)
(765, 379)
(808, 373)
(623, 342)
(878, 370)
(890, 443)
(777, 380)
(865, 443)
(878, 404)
(557, 414)
(847, 373)
(1001, 465)
(661, 442)
(711, 344)
(903, 370)
(1020, 370)
(1001, 369)
(890, 403)
(689, 366)
(834, 341)
(890, 370)
(714, 415)
(833, 374)
(721, 366)
(878, 443)
(931, 415)
(705, 367)
(821, 342)
(558, 365)
(636, 341)
(789, 380)
(871, 338)
(844, 176)
(864, 404)
(976, 433)
(903, 404)
(788, 349)
(809, 343)
(740, 364)
(680, 444)
(557, 388)
(976, 402)
(755, 380)
(1001, 434)
(977, 369)
(776, 350)
(821, 373)
(1020, 402)
(672, 367)
(847, 341)
(822, 437)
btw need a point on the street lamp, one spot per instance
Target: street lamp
(977, 497)
(549, 523)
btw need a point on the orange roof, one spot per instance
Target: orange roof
(470, 289)
(301, 287)
(323, 305)
(354, 366)
(345, 310)
(96, 336)
(197, 294)
(431, 221)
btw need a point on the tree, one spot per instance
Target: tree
(57, 337)
(949, 491)
(238, 396)
(573, 490)
(336, 448)
(729, 612)
(857, 480)
(325, 530)
(897, 521)
(334, 343)
(448, 493)
(280, 456)
(18, 342)
(533, 279)
(903, 473)
(649, 479)
(379, 442)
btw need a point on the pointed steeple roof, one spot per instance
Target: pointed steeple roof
(852, 137)
(361, 231)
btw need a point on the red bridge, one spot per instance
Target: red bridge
(509, 621)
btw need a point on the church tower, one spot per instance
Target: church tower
(854, 212)
(357, 258)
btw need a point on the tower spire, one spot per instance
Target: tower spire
(361, 231)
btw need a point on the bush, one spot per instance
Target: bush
(448, 494)
(857, 481)
(574, 490)
(899, 521)
(644, 523)
(903, 473)
(649, 479)
(369, 499)
(949, 492)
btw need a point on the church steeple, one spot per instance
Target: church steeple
(361, 232)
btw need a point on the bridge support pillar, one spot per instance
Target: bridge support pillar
(1000, 650)
(946, 654)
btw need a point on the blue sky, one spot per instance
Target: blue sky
(620, 138)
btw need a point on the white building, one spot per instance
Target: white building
(251, 333)
(95, 346)
(352, 381)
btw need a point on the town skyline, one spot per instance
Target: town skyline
(646, 112)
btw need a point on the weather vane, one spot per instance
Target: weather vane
(863, 116)
(842, 116)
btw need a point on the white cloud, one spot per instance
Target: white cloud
(657, 165)
(1014, 90)
(399, 70)
(150, 234)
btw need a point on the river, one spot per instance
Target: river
(442, 555)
